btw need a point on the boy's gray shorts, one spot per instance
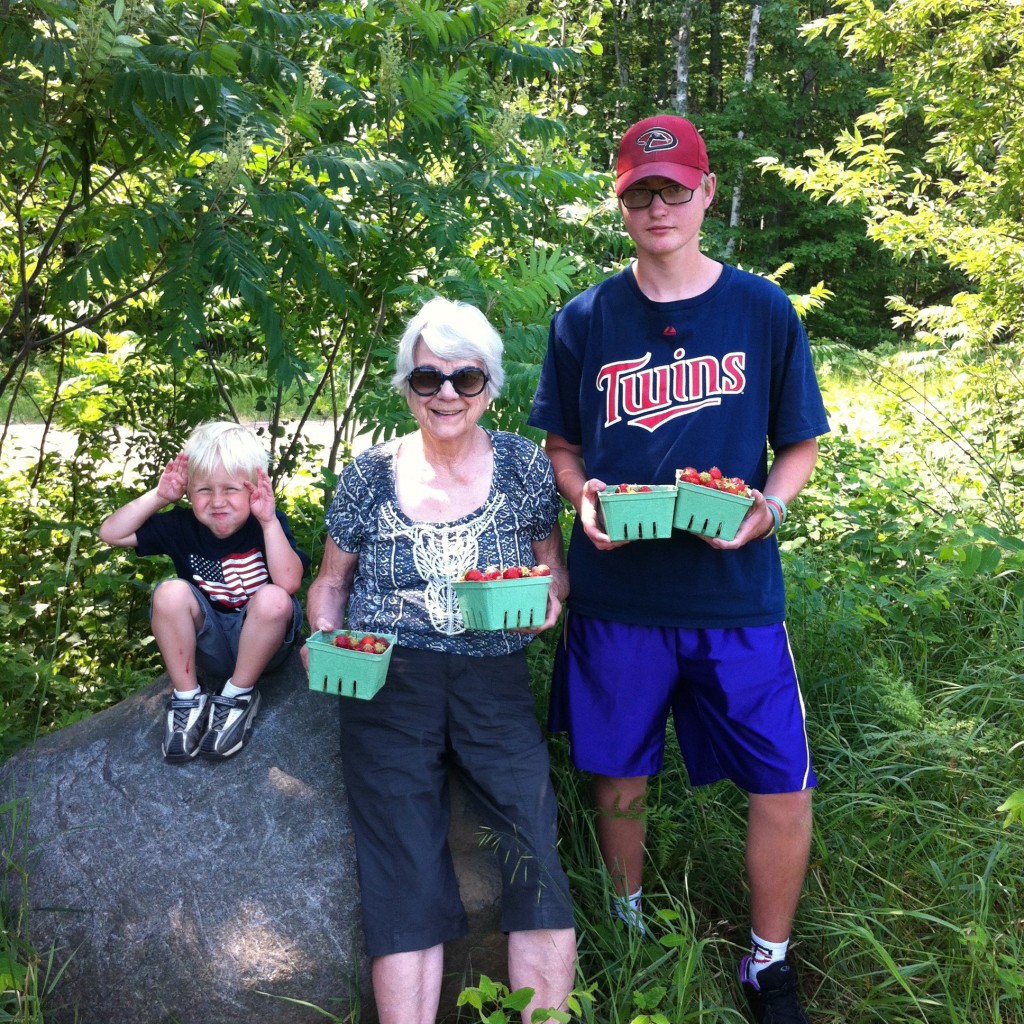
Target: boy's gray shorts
(217, 639)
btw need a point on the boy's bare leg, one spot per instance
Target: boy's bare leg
(407, 986)
(176, 621)
(267, 618)
(544, 960)
(778, 847)
(621, 830)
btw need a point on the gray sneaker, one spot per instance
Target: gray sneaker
(231, 721)
(186, 723)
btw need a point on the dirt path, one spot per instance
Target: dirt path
(21, 447)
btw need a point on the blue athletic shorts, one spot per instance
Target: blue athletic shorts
(733, 695)
(439, 712)
(217, 639)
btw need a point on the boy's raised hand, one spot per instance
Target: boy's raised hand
(174, 481)
(261, 497)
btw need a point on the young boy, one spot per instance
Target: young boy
(231, 611)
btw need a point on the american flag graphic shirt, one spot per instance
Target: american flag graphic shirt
(227, 570)
(232, 580)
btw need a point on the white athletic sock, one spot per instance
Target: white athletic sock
(186, 694)
(230, 690)
(763, 953)
(628, 909)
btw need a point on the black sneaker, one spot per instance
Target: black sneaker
(772, 996)
(231, 721)
(186, 723)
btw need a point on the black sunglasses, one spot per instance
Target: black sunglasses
(468, 381)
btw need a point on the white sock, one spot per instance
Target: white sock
(628, 910)
(763, 953)
(230, 690)
(186, 694)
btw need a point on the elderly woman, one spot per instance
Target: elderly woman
(410, 516)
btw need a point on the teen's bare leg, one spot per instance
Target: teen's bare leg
(407, 986)
(177, 619)
(778, 848)
(544, 960)
(620, 829)
(267, 619)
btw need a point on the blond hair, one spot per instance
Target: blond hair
(224, 443)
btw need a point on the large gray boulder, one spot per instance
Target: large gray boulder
(210, 893)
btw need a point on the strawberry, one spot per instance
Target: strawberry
(513, 572)
(380, 646)
(343, 640)
(492, 572)
(473, 575)
(541, 570)
(715, 479)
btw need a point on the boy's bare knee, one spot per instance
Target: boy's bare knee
(272, 602)
(173, 595)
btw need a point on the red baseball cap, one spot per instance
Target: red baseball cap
(664, 147)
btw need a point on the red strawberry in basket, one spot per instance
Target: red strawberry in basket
(541, 570)
(474, 575)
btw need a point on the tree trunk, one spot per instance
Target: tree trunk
(714, 93)
(748, 78)
(620, 13)
(682, 103)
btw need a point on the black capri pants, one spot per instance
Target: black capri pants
(437, 711)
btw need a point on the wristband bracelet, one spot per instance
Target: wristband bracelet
(776, 521)
(778, 506)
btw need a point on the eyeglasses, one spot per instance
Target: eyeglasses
(641, 198)
(468, 381)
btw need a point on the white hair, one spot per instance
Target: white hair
(451, 330)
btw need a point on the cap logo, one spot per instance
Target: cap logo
(654, 140)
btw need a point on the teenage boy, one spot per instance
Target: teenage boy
(231, 613)
(679, 360)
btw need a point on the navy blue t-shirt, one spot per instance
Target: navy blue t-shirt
(646, 388)
(227, 570)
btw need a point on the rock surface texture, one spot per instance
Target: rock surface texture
(210, 892)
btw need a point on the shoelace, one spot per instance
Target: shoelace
(222, 706)
(180, 721)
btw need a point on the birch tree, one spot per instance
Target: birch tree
(748, 78)
(682, 100)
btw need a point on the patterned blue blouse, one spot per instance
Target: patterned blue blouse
(403, 580)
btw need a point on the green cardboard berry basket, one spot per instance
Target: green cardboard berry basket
(709, 512)
(645, 515)
(347, 673)
(503, 604)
